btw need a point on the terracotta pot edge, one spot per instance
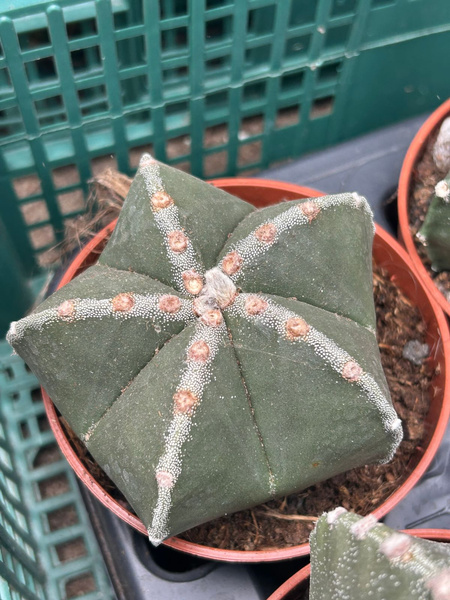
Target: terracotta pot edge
(410, 160)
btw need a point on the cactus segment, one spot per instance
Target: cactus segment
(435, 231)
(277, 317)
(85, 380)
(195, 377)
(196, 392)
(183, 204)
(179, 249)
(354, 558)
(302, 234)
(307, 366)
(216, 447)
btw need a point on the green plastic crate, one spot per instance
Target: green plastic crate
(217, 87)
(48, 550)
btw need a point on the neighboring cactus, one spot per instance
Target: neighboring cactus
(435, 232)
(354, 558)
(441, 148)
(218, 356)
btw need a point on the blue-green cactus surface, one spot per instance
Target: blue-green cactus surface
(218, 356)
(353, 558)
(435, 231)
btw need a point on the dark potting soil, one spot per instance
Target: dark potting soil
(288, 521)
(424, 178)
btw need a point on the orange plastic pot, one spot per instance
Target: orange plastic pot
(298, 584)
(414, 154)
(388, 254)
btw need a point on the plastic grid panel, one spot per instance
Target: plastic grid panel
(48, 549)
(216, 87)
(20, 574)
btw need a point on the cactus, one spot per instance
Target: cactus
(218, 356)
(435, 231)
(354, 558)
(441, 148)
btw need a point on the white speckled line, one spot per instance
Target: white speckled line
(168, 220)
(251, 247)
(434, 573)
(194, 378)
(275, 317)
(145, 306)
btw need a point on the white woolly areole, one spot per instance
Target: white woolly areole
(275, 317)
(362, 527)
(440, 585)
(422, 239)
(396, 545)
(441, 149)
(334, 515)
(442, 190)
(194, 378)
(219, 290)
(251, 248)
(145, 306)
(168, 220)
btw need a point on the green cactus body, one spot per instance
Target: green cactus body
(218, 356)
(435, 232)
(354, 558)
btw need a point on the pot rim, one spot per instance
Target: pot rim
(382, 240)
(291, 584)
(412, 155)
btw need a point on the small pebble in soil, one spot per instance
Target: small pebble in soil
(416, 352)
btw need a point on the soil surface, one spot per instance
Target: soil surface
(424, 178)
(288, 521)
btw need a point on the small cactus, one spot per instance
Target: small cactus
(441, 148)
(218, 356)
(435, 231)
(354, 558)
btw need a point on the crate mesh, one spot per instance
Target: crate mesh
(215, 87)
(47, 548)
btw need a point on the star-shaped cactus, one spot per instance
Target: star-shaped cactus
(218, 356)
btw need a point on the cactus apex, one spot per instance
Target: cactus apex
(362, 527)
(232, 263)
(66, 310)
(219, 288)
(440, 585)
(122, 302)
(352, 371)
